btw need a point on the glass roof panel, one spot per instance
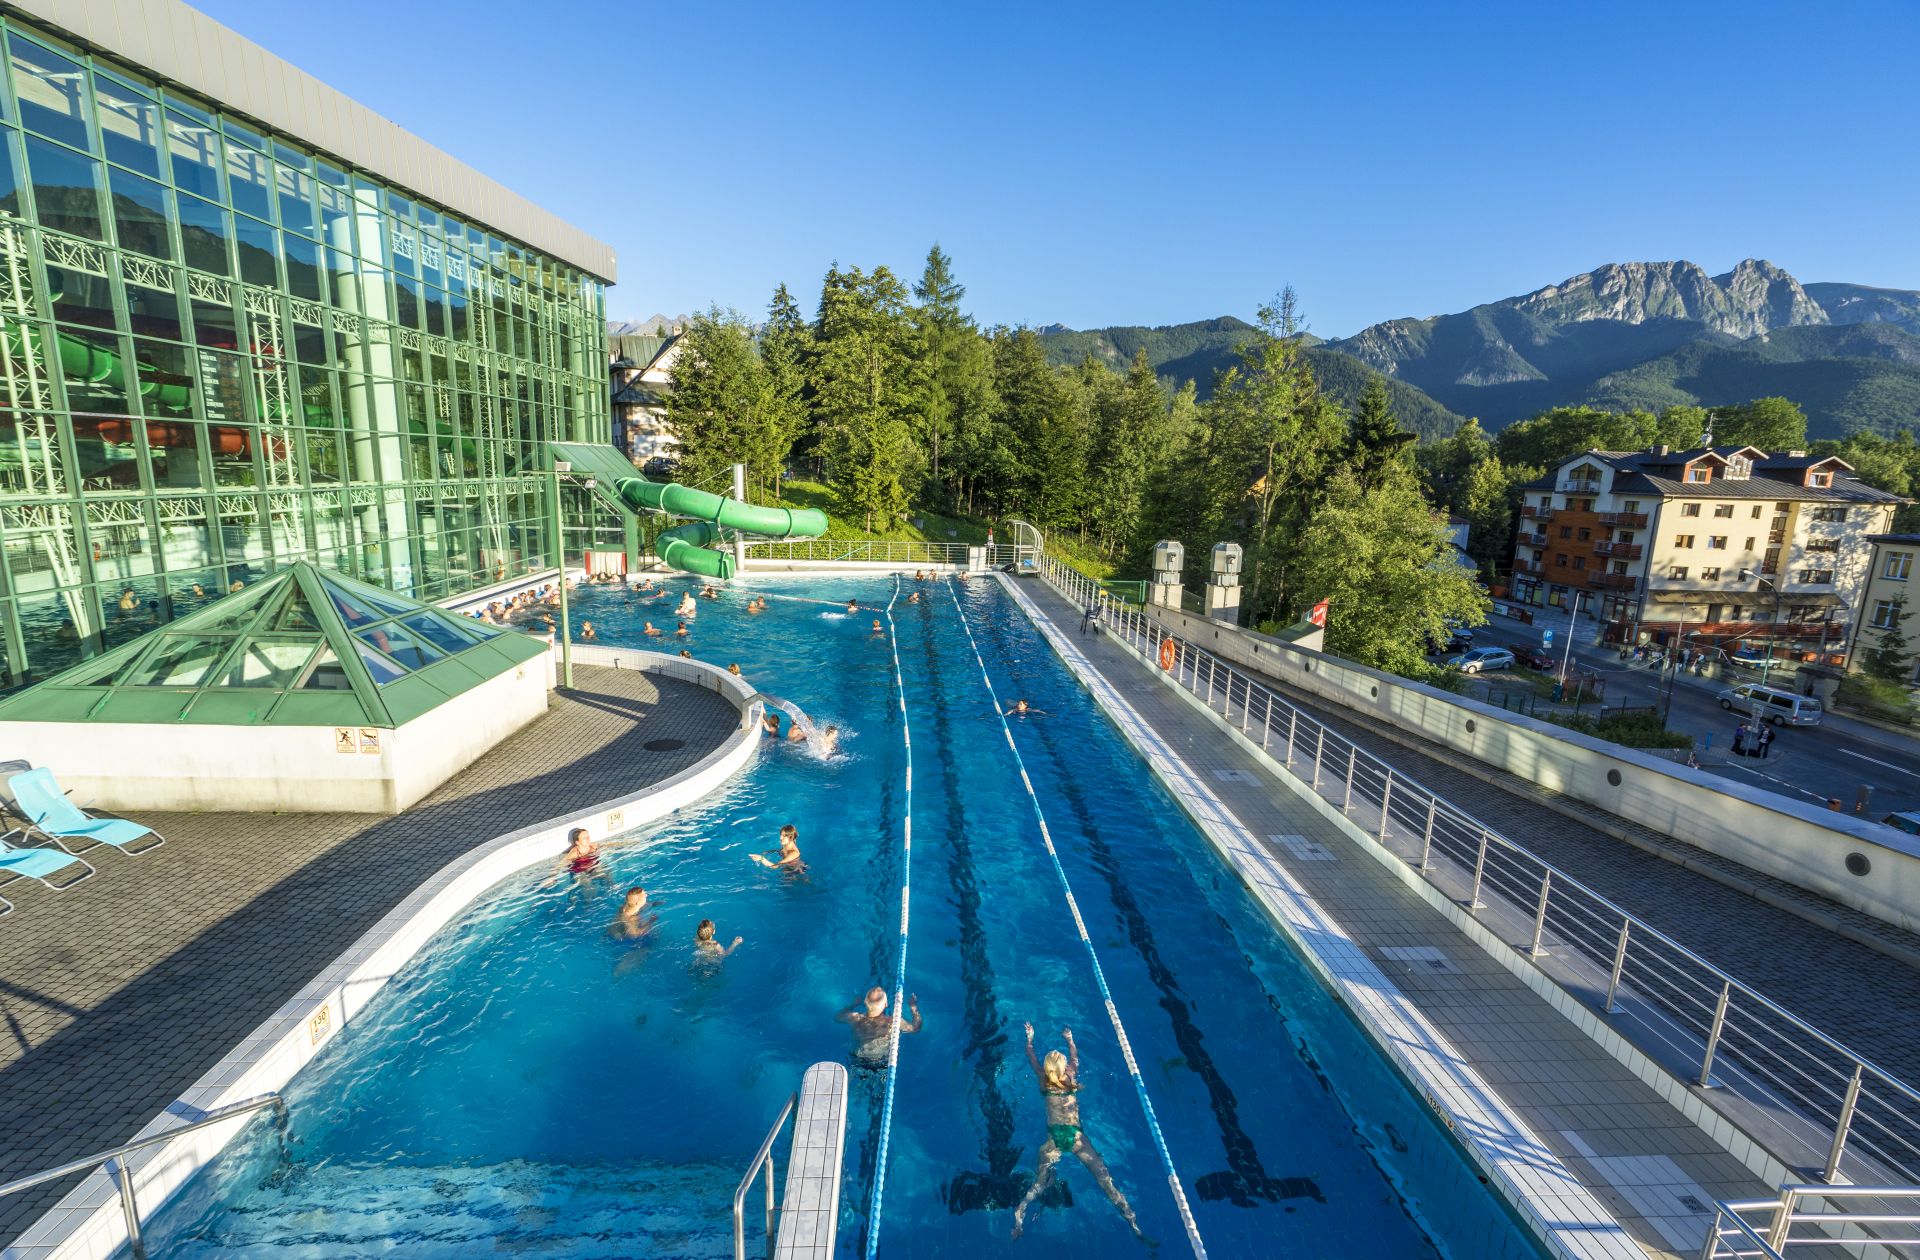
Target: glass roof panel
(267, 663)
(438, 631)
(403, 645)
(178, 660)
(383, 670)
(360, 605)
(327, 674)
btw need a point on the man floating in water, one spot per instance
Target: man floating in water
(633, 923)
(1059, 1078)
(705, 945)
(871, 1026)
(1020, 708)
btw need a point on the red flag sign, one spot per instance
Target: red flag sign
(1319, 614)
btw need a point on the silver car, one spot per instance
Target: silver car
(1486, 658)
(1770, 704)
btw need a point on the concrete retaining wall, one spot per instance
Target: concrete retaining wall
(1805, 845)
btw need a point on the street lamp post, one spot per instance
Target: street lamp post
(1766, 666)
(560, 553)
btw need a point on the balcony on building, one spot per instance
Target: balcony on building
(1530, 539)
(1614, 581)
(1617, 550)
(1529, 566)
(1631, 520)
(1533, 512)
(1579, 485)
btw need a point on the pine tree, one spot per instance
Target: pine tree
(1890, 658)
(785, 343)
(1376, 446)
(717, 407)
(860, 374)
(1129, 449)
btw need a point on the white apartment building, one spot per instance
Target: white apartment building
(1719, 545)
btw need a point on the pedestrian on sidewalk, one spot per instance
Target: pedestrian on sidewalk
(1766, 741)
(1740, 740)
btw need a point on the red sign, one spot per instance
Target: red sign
(1319, 614)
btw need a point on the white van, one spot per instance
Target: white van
(1769, 704)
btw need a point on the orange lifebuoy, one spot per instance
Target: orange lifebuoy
(1168, 653)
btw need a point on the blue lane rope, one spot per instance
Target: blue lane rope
(1093, 957)
(900, 968)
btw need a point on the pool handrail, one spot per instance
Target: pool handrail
(1536, 886)
(1764, 1228)
(123, 1175)
(764, 1158)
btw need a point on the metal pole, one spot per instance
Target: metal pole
(1266, 723)
(1843, 1127)
(770, 1234)
(1619, 965)
(1783, 1219)
(1479, 869)
(1212, 669)
(1353, 755)
(1540, 915)
(1319, 746)
(1573, 621)
(1293, 727)
(123, 1175)
(1426, 842)
(560, 553)
(1386, 805)
(1713, 1034)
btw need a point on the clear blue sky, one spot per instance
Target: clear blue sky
(1107, 164)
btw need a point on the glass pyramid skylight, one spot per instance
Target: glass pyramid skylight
(303, 647)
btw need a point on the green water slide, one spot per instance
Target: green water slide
(691, 547)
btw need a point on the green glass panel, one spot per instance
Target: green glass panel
(129, 123)
(267, 663)
(383, 670)
(403, 645)
(66, 189)
(195, 150)
(52, 91)
(178, 660)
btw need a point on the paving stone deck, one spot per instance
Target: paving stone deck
(1655, 1170)
(1832, 979)
(116, 996)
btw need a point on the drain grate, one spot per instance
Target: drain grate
(663, 745)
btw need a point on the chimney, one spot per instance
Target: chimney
(1662, 450)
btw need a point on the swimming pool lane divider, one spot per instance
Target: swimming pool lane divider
(1093, 956)
(900, 967)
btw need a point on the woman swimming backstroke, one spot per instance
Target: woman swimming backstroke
(1059, 1077)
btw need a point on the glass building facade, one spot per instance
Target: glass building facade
(221, 351)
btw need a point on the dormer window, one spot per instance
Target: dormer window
(1699, 474)
(1820, 478)
(1739, 468)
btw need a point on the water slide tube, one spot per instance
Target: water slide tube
(689, 547)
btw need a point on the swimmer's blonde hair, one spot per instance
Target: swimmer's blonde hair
(1054, 1069)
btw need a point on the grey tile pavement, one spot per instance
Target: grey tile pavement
(1832, 980)
(1594, 1113)
(117, 995)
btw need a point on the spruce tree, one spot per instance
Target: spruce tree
(1376, 445)
(1890, 658)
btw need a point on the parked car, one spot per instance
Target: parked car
(659, 466)
(1770, 704)
(1457, 640)
(1483, 659)
(1907, 821)
(1536, 658)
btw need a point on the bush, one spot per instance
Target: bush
(1633, 730)
(1876, 697)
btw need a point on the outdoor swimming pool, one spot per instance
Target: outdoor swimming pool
(530, 1085)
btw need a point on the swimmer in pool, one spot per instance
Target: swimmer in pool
(871, 1024)
(634, 922)
(770, 725)
(789, 852)
(796, 733)
(1021, 709)
(651, 628)
(586, 630)
(853, 605)
(686, 607)
(682, 630)
(830, 741)
(704, 943)
(877, 629)
(914, 598)
(734, 669)
(1059, 1078)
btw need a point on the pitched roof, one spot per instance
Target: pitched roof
(1640, 472)
(304, 646)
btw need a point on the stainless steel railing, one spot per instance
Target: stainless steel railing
(1877, 1220)
(122, 1173)
(1861, 1121)
(764, 1159)
(871, 551)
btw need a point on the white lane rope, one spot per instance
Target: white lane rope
(1093, 957)
(900, 967)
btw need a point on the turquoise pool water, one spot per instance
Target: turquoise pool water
(530, 1085)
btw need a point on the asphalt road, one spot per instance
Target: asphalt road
(1833, 759)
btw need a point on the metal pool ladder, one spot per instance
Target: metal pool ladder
(809, 1210)
(123, 1173)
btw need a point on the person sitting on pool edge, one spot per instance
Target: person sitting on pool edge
(789, 852)
(1059, 1078)
(871, 1026)
(704, 943)
(629, 925)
